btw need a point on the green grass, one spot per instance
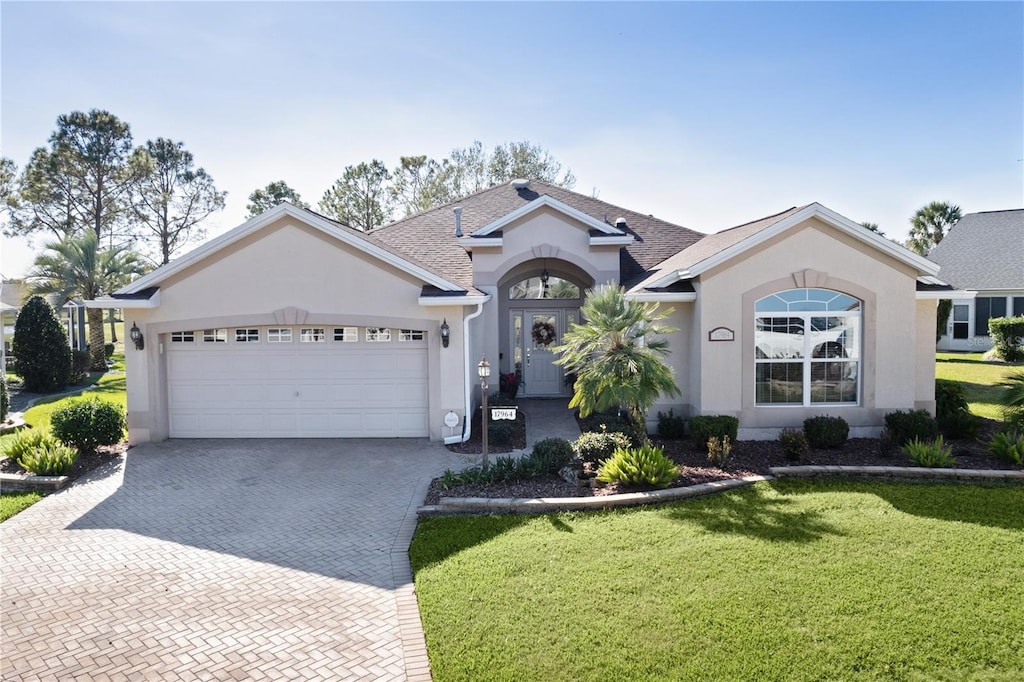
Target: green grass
(979, 379)
(109, 387)
(12, 503)
(782, 581)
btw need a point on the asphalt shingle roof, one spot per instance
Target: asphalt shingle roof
(983, 251)
(429, 237)
(711, 245)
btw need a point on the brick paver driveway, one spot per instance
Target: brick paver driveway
(222, 560)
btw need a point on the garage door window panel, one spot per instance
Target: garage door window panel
(215, 336)
(183, 337)
(410, 335)
(378, 335)
(247, 336)
(346, 334)
(312, 335)
(279, 335)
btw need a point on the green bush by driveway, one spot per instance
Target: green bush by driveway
(783, 581)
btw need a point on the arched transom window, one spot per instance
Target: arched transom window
(537, 288)
(807, 348)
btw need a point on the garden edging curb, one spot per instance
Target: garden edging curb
(903, 473)
(450, 506)
(26, 482)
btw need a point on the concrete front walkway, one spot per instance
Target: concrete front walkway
(223, 560)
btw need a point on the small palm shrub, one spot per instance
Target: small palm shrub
(550, 455)
(1009, 446)
(794, 444)
(705, 427)
(671, 427)
(39, 452)
(719, 451)
(904, 426)
(645, 465)
(1013, 399)
(88, 424)
(826, 432)
(930, 453)
(596, 446)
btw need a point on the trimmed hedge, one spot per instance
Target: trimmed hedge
(41, 348)
(1008, 337)
(828, 432)
(705, 427)
(88, 424)
(905, 426)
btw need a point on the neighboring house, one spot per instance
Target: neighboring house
(983, 255)
(14, 293)
(293, 325)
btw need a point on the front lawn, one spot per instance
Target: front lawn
(788, 580)
(12, 503)
(109, 387)
(979, 379)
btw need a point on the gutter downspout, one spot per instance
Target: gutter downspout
(467, 428)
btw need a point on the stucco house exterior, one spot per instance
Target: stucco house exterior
(293, 325)
(983, 257)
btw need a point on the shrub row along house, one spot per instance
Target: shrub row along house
(293, 325)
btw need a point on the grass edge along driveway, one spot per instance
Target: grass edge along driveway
(788, 580)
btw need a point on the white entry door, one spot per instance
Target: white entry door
(541, 376)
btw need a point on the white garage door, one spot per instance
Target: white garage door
(297, 382)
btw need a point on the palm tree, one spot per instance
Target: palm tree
(76, 266)
(1013, 399)
(930, 224)
(616, 355)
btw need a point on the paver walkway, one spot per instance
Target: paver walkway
(223, 560)
(548, 418)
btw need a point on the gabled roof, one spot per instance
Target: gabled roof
(542, 201)
(983, 251)
(429, 237)
(718, 248)
(339, 231)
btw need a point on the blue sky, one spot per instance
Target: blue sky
(705, 114)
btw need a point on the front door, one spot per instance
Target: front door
(541, 376)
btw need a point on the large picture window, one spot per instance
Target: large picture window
(985, 308)
(807, 348)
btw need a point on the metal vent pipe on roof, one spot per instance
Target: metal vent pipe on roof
(458, 220)
(620, 222)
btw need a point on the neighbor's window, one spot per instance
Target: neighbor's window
(410, 335)
(279, 335)
(807, 348)
(533, 288)
(312, 335)
(183, 337)
(346, 334)
(985, 308)
(377, 334)
(1018, 306)
(247, 335)
(215, 336)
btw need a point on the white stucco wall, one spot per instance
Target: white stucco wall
(289, 265)
(892, 374)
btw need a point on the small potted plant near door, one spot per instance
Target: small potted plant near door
(508, 384)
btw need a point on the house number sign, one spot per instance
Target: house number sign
(721, 334)
(500, 413)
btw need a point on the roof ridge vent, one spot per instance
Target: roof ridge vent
(520, 183)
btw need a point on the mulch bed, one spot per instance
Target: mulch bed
(106, 455)
(748, 458)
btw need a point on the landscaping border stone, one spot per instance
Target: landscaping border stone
(451, 506)
(990, 476)
(26, 482)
